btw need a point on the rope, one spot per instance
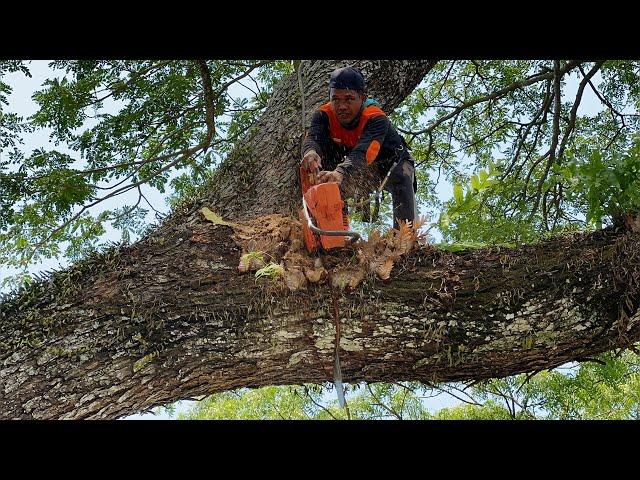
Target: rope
(304, 108)
(337, 371)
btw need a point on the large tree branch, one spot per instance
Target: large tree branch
(168, 319)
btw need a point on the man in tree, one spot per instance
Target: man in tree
(354, 141)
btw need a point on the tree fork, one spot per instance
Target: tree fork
(261, 176)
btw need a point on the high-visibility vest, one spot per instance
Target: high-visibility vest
(341, 135)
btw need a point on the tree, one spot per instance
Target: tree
(135, 326)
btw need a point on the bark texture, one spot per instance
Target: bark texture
(173, 320)
(169, 317)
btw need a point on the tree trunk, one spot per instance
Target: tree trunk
(169, 317)
(261, 176)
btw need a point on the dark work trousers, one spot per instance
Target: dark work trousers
(401, 184)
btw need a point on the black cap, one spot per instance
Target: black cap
(347, 77)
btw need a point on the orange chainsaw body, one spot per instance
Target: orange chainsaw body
(325, 205)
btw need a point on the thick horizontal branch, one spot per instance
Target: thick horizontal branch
(170, 318)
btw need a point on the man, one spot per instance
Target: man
(352, 139)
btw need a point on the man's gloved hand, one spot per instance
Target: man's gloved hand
(311, 161)
(330, 176)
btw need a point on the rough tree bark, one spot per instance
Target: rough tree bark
(169, 318)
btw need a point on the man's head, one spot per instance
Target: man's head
(347, 93)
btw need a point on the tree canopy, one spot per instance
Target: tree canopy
(606, 389)
(510, 135)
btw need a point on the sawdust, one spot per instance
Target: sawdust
(295, 279)
(347, 277)
(315, 275)
(279, 239)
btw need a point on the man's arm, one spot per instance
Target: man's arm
(315, 138)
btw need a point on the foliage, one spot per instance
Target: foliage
(606, 389)
(483, 125)
(270, 271)
(375, 401)
(543, 178)
(130, 127)
(605, 185)
(251, 261)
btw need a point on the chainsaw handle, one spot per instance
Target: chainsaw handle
(331, 233)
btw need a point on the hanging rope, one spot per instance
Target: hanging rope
(304, 108)
(337, 371)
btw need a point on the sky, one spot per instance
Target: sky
(20, 102)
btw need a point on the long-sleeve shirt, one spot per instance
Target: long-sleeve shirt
(377, 129)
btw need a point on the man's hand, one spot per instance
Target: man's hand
(330, 176)
(311, 161)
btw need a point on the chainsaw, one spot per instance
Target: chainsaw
(323, 204)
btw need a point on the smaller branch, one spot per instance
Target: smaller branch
(306, 391)
(500, 93)
(576, 104)
(472, 400)
(604, 100)
(255, 94)
(589, 359)
(546, 103)
(379, 403)
(527, 379)
(226, 85)
(114, 193)
(209, 102)
(148, 203)
(554, 139)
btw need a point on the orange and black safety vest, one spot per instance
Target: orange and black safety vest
(349, 137)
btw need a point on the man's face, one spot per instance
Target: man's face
(346, 103)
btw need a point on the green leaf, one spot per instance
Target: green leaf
(457, 193)
(272, 271)
(214, 217)
(475, 183)
(444, 221)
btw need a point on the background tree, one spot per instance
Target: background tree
(597, 390)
